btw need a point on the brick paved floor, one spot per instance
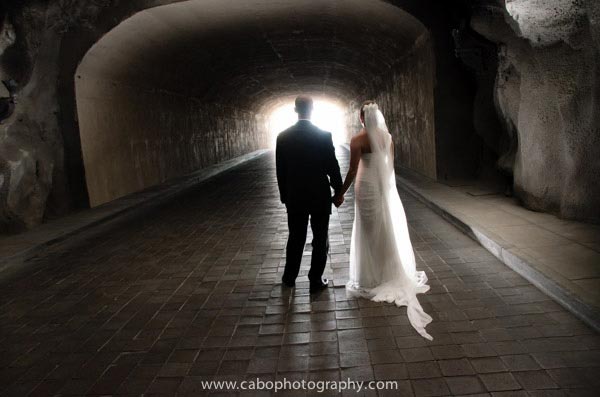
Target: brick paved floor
(192, 292)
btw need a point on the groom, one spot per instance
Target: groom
(306, 168)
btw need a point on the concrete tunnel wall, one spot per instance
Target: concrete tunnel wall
(407, 101)
(135, 137)
(405, 96)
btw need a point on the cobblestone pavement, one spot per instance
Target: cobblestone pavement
(192, 293)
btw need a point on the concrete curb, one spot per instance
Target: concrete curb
(132, 205)
(571, 302)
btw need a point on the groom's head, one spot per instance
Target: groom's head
(304, 106)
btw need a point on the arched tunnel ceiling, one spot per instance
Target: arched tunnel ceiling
(247, 53)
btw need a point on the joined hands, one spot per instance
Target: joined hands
(338, 199)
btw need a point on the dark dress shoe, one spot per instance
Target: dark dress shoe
(288, 284)
(319, 285)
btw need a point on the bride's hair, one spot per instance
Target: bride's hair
(362, 108)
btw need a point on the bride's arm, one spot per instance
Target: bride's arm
(354, 160)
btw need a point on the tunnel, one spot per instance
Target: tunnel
(161, 94)
(143, 234)
(163, 88)
(455, 78)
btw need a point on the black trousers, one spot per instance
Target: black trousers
(297, 226)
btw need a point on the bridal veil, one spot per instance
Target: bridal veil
(382, 261)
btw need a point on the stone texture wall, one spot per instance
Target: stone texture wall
(135, 137)
(406, 99)
(547, 96)
(31, 151)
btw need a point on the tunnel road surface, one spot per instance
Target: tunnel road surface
(192, 292)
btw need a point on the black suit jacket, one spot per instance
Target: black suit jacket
(306, 168)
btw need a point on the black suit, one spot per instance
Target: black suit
(306, 168)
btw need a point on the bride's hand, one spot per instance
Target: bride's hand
(338, 200)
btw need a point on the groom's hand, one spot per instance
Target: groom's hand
(338, 200)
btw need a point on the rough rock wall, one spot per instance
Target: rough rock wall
(547, 93)
(134, 137)
(406, 99)
(31, 156)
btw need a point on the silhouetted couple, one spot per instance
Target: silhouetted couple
(382, 261)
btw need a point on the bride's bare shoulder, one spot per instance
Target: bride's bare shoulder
(357, 141)
(360, 137)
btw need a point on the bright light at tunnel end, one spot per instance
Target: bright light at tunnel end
(326, 115)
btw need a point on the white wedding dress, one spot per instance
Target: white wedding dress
(382, 261)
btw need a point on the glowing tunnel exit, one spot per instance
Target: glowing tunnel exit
(327, 115)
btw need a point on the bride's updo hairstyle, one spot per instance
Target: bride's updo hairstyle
(362, 109)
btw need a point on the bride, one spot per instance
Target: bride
(382, 262)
